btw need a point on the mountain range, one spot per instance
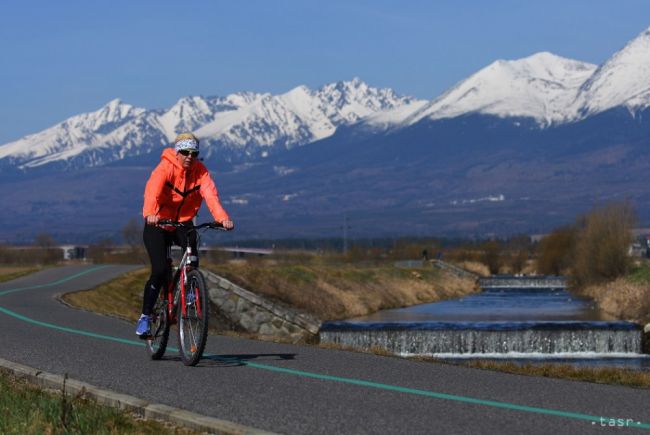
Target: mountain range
(519, 146)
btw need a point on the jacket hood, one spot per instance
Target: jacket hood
(169, 154)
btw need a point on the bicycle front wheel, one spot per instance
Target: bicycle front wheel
(157, 341)
(193, 319)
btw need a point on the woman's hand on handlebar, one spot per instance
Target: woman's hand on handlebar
(228, 225)
(152, 219)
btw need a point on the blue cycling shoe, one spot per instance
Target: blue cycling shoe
(190, 297)
(142, 329)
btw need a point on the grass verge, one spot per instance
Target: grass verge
(26, 409)
(600, 375)
(121, 297)
(7, 273)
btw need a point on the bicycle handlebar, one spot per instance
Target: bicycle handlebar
(190, 225)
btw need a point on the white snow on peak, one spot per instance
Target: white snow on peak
(247, 123)
(624, 80)
(300, 115)
(540, 86)
(387, 119)
(185, 115)
(71, 137)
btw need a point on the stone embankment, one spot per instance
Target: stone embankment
(453, 269)
(253, 313)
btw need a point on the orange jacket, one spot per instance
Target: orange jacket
(175, 193)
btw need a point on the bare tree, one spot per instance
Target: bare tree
(491, 252)
(555, 251)
(49, 252)
(132, 234)
(603, 240)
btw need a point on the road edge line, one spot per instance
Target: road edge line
(141, 407)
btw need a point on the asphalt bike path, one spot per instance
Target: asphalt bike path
(292, 388)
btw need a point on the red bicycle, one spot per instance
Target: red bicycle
(184, 301)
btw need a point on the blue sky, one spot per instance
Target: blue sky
(61, 58)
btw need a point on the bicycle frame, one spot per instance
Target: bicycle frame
(180, 276)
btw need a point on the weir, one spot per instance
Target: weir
(564, 338)
(519, 282)
(512, 317)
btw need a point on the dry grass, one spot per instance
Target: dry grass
(622, 299)
(474, 266)
(121, 297)
(7, 273)
(605, 375)
(26, 409)
(334, 291)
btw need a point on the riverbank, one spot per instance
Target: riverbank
(626, 298)
(621, 299)
(329, 289)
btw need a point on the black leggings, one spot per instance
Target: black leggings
(156, 240)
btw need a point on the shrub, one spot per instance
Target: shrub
(555, 251)
(603, 239)
(593, 250)
(492, 255)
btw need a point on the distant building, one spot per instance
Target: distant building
(73, 252)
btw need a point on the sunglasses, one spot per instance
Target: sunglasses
(189, 153)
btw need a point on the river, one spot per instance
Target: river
(523, 324)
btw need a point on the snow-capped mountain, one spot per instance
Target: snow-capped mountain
(540, 86)
(297, 117)
(624, 80)
(548, 89)
(88, 136)
(242, 124)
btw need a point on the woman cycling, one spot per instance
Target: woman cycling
(175, 191)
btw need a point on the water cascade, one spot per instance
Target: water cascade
(512, 317)
(488, 338)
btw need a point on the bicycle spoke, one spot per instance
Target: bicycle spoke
(193, 325)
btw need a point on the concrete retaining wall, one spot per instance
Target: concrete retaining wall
(452, 268)
(253, 313)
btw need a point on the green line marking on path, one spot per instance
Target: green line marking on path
(444, 396)
(351, 381)
(51, 284)
(70, 330)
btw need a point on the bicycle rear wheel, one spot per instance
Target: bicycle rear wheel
(193, 324)
(157, 341)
